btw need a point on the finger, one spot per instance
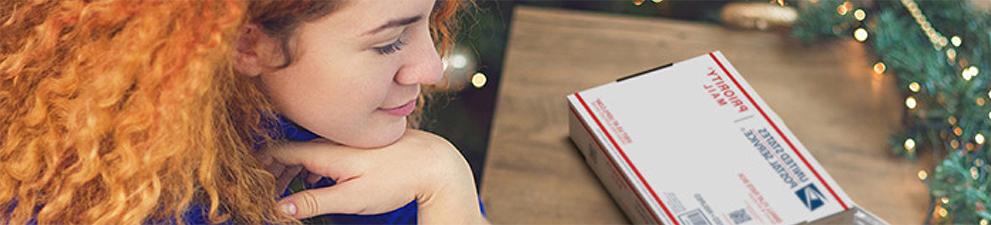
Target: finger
(292, 172)
(319, 158)
(287, 177)
(264, 159)
(341, 198)
(275, 168)
(307, 176)
(313, 178)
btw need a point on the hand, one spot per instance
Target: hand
(420, 166)
(284, 174)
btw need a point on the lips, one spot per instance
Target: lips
(402, 110)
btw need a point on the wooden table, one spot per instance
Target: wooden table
(825, 93)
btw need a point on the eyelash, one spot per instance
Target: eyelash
(393, 47)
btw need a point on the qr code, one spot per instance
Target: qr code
(740, 216)
(694, 217)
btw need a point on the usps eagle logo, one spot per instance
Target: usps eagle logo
(811, 197)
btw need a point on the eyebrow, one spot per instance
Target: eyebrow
(396, 23)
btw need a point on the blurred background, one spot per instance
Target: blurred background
(936, 52)
(462, 108)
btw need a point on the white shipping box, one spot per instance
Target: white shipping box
(691, 143)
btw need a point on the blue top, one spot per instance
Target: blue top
(403, 215)
(292, 132)
(197, 214)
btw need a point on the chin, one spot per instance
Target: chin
(376, 137)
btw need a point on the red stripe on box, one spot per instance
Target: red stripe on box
(775, 126)
(614, 167)
(627, 159)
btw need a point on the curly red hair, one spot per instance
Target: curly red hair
(122, 112)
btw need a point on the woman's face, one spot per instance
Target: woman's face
(357, 71)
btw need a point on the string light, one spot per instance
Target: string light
(459, 61)
(478, 80)
(879, 67)
(939, 42)
(843, 8)
(956, 41)
(914, 87)
(952, 120)
(909, 144)
(970, 72)
(640, 2)
(860, 34)
(937, 39)
(859, 14)
(910, 102)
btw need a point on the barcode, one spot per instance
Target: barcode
(694, 217)
(740, 216)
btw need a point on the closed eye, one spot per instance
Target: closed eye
(393, 47)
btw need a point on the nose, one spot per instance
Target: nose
(423, 66)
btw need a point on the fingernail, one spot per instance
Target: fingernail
(288, 208)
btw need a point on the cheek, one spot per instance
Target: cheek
(305, 88)
(365, 87)
(337, 103)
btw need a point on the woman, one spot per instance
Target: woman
(154, 112)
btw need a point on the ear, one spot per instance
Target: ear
(255, 52)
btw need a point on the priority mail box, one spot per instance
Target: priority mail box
(691, 143)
